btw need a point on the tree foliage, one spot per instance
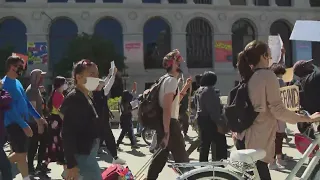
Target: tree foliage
(91, 47)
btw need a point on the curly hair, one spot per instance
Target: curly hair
(278, 69)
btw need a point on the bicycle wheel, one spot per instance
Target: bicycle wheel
(147, 135)
(208, 176)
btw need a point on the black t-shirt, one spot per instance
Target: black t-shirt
(80, 126)
(310, 86)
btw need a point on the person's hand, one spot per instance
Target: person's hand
(134, 87)
(1, 84)
(188, 82)
(42, 123)
(115, 71)
(283, 51)
(28, 131)
(164, 142)
(72, 174)
(315, 116)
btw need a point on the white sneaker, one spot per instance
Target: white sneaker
(119, 161)
(281, 162)
(273, 166)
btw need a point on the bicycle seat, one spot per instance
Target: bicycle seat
(248, 156)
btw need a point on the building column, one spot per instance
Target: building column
(250, 3)
(301, 3)
(190, 2)
(221, 3)
(38, 38)
(272, 3)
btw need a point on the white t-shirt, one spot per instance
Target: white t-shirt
(170, 85)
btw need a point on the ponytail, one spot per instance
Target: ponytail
(244, 68)
(50, 104)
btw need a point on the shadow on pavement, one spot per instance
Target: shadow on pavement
(136, 153)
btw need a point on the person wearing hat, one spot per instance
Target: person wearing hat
(170, 138)
(37, 143)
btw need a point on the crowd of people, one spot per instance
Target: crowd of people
(70, 128)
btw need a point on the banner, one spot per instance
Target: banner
(223, 51)
(275, 44)
(37, 53)
(290, 97)
(133, 50)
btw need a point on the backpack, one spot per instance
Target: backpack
(149, 110)
(239, 111)
(116, 172)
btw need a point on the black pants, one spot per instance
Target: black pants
(37, 143)
(184, 120)
(108, 137)
(176, 146)
(209, 135)
(126, 126)
(262, 167)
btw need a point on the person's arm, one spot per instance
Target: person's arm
(31, 103)
(271, 88)
(71, 121)
(5, 99)
(170, 87)
(212, 104)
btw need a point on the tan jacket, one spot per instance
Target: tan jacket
(265, 97)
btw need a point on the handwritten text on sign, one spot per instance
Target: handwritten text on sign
(290, 97)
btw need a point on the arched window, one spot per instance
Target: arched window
(261, 2)
(202, 1)
(199, 43)
(238, 2)
(177, 1)
(110, 29)
(61, 32)
(316, 53)
(282, 28)
(151, 1)
(242, 33)
(156, 42)
(283, 2)
(13, 34)
(314, 3)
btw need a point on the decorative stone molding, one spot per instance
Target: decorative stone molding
(132, 15)
(222, 17)
(178, 15)
(85, 15)
(36, 15)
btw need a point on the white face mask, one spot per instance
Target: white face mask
(92, 83)
(65, 87)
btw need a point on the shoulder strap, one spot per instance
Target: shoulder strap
(92, 106)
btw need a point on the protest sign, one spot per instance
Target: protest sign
(275, 44)
(223, 51)
(306, 31)
(112, 67)
(288, 76)
(37, 53)
(290, 97)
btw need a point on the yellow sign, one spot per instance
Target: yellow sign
(290, 97)
(288, 76)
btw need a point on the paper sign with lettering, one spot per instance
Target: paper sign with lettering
(288, 76)
(275, 44)
(223, 51)
(290, 97)
(133, 50)
(306, 31)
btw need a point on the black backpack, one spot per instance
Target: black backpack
(150, 112)
(239, 111)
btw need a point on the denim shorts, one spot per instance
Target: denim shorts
(88, 165)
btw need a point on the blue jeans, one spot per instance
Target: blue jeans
(139, 128)
(5, 166)
(88, 165)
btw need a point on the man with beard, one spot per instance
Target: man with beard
(37, 143)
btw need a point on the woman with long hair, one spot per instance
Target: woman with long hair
(54, 148)
(81, 128)
(264, 93)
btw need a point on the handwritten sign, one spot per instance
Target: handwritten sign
(290, 97)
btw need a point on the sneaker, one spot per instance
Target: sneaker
(135, 147)
(273, 166)
(281, 162)
(286, 157)
(119, 161)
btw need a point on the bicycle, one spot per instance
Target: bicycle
(147, 135)
(241, 165)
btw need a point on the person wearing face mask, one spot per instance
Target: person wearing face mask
(17, 117)
(81, 126)
(264, 94)
(169, 136)
(100, 97)
(37, 143)
(54, 149)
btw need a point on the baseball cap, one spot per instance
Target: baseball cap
(300, 66)
(168, 59)
(38, 71)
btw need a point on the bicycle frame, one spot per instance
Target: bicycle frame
(306, 174)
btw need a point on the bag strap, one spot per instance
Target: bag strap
(92, 106)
